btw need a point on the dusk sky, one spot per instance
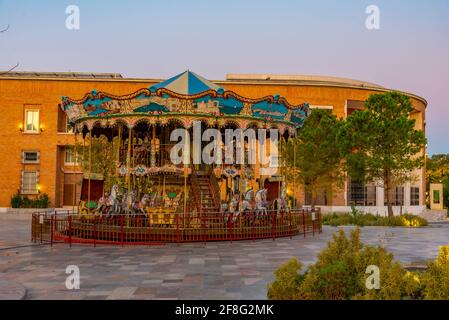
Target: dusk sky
(159, 39)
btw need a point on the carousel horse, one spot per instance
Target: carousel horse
(137, 208)
(152, 199)
(281, 203)
(125, 203)
(113, 200)
(104, 205)
(145, 201)
(248, 201)
(261, 202)
(233, 209)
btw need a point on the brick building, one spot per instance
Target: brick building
(35, 138)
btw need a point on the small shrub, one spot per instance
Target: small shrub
(356, 218)
(339, 273)
(436, 278)
(285, 287)
(334, 275)
(19, 201)
(16, 201)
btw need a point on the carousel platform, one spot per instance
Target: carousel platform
(143, 230)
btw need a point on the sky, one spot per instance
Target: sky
(158, 39)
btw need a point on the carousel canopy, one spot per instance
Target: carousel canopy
(186, 97)
(186, 83)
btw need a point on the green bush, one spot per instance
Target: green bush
(360, 219)
(16, 201)
(287, 281)
(340, 273)
(19, 201)
(436, 278)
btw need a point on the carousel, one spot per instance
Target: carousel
(144, 196)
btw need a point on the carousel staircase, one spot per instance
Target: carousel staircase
(205, 191)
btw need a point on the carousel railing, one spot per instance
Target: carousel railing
(157, 228)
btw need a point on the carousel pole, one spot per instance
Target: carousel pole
(128, 162)
(119, 143)
(186, 158)
(76, 163)
(111, 172)
(133, 159)
(294, 170)
(90, 171)
(280, 158)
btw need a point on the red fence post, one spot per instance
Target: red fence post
(230, 227)
(290, 229)
(313, 223)
(70, 230)
(51, 231)
(304, 222)
(95, 231)
(121, 229)
(42, 224)
(149, 228)
(253, 226)
(177, 227)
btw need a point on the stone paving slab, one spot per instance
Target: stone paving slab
(11, 290)
(219, 270)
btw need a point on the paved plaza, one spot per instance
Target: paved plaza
(221, 270)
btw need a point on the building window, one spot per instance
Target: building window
(360, 194)
(396, 196)
(29, 182)
(70, 156)
(30, 157)
(414, 196)
(32, 121)
(436, 196)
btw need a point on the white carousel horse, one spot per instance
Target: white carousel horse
(261, 201)
(281, 203)
(140, 206)
(233, 208)
(113, 200)
(145, 201)
(248, 201)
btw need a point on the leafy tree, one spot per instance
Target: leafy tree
(437, 167)
(102, 159)
(313, 157)
(437, 171)
(381, 144)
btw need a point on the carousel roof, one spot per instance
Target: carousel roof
(186, 83)
(186, 97)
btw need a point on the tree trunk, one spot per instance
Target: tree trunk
(314, 197)
(387, 195)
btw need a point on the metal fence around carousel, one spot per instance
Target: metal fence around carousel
(157, 228)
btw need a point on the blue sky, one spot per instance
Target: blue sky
(162, 38)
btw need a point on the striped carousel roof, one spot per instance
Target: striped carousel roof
(186, 83)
